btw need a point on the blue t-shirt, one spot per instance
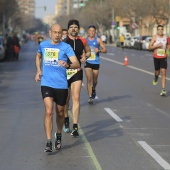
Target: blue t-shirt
(54, 75)
(94, 58)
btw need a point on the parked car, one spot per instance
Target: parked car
(132, 41)
(2, 50)
(146, 42)
(139, 42)
(126, 42)
(127, 35)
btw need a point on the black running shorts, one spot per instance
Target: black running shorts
(160, 63)
(59, 95)
(92, 66)
(76, 77)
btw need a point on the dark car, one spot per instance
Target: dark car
(139, 42)
(2, 50)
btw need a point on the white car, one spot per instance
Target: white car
(127, 42)
(132, 41)
(146, 42)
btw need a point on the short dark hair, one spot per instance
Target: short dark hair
(160, 26)
(92, 26)
(73, 22)
(64, 29)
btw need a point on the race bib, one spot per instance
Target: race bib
(160, 52)
(51, 55)
(93, 56)
(71, 73)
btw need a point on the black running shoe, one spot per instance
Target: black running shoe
(48, 147)
(58, 144)
(75, 132)
(67, 127)
(93, 94)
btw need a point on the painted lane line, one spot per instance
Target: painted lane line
(132, 67)
(155, 155)
(110, 53)
(90, 150)
(82, 84)
(118, 119)
(111, 60)
(88, 146)
(144, 71)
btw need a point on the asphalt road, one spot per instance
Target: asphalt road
(127, 127)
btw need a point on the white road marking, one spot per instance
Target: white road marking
(155, 155)
(82, 84)
(110, 53)
(113, 61)
(118, 119)
(88, 147)
(132, 67)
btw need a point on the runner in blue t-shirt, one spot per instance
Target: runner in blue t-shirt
(92, 64)
(51, 64)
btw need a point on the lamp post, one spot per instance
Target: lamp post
(169, 18)
(68, 7)
(113, 26)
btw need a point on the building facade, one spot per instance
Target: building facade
(27, 7)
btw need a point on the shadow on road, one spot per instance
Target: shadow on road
(108, 99)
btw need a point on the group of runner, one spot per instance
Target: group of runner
(59, 68)
(58, 64)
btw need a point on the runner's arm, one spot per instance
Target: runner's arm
(87, 50)
(103, 47)
(168, 45)
(38, 66)
(74, 62)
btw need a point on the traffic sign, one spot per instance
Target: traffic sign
(118, 18)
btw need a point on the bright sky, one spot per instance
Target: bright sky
(39, 7)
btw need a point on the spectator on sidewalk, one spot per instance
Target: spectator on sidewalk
(122, 39)
(16, 47)
(10, 49)
(104, 38)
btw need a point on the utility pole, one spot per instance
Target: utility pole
(113, 26)
(68, 7)
(3, 24)
(169, 18)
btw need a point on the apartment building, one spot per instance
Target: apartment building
(66, 7)
(27, 6)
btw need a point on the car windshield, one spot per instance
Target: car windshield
(144, 37)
